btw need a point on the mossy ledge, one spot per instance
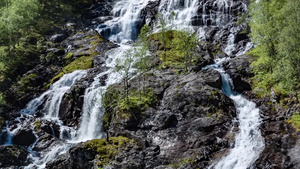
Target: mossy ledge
(295, 121)
(106, 151)
(82, 63)
(115, 103)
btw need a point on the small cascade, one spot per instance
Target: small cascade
(54, 95)
(126, 23)
(93, 111)
(51, 99)
(248, 142)
(49, 156)
(230, 47)
(197, 13)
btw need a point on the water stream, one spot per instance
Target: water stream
(248, 141)
(125, 27)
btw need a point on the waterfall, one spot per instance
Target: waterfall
(124, 27)
(52, 99)
(187, 12)
(93, 111)
(248, 142)
(54, 95)
(126, 22)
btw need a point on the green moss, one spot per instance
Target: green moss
(26, 82)
(295, 121)
(115, 103)
(37, 125)
(182, 162)
(213, 92)
(107, 150)
(82, 63)
(69, 55)
(169, 55)
(94, 40)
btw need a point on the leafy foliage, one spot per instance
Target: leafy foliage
(275, 30)
(117, 105)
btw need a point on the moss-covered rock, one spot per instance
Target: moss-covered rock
(37, 125)
(295, 121)
(107, 150)
(137, 103)
(82, 63)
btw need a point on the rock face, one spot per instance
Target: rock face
(58, 38)
(77, 158)
(24, 138)
(280, 137)
(191, 113)
(239, 70)
(12, 156)
(189, 124)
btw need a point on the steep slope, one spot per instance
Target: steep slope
(171, 118)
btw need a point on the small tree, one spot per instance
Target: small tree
(123, 67)
(185, 44)
(165, 27)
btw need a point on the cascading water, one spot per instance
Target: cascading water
(91, 123)
(52, 99)
(187, 12)
(54, 95)
(248, 142)
(125, 27)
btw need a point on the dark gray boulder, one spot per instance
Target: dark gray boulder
(12, 156)
(239, 70)
(24, 137)
(76, 158)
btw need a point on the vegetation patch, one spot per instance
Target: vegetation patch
(107, 150)
(82, 63)
(295, 121)
(26, 83)
(176, 49)
(37, 125)
(182, 162)
(166, 52)
(137, 102)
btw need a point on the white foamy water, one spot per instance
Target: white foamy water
(93, 111)
(248, 142)
(124, 26)
(54, 95)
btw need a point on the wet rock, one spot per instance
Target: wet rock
(239, 69)
(72, 103)
(12, 156)
(24, 137)
(150, 11)
(51, 128)
(204, 59)
(77, 158)
(58, 38)
(55, 51)
(241, 36)
(44, 142)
